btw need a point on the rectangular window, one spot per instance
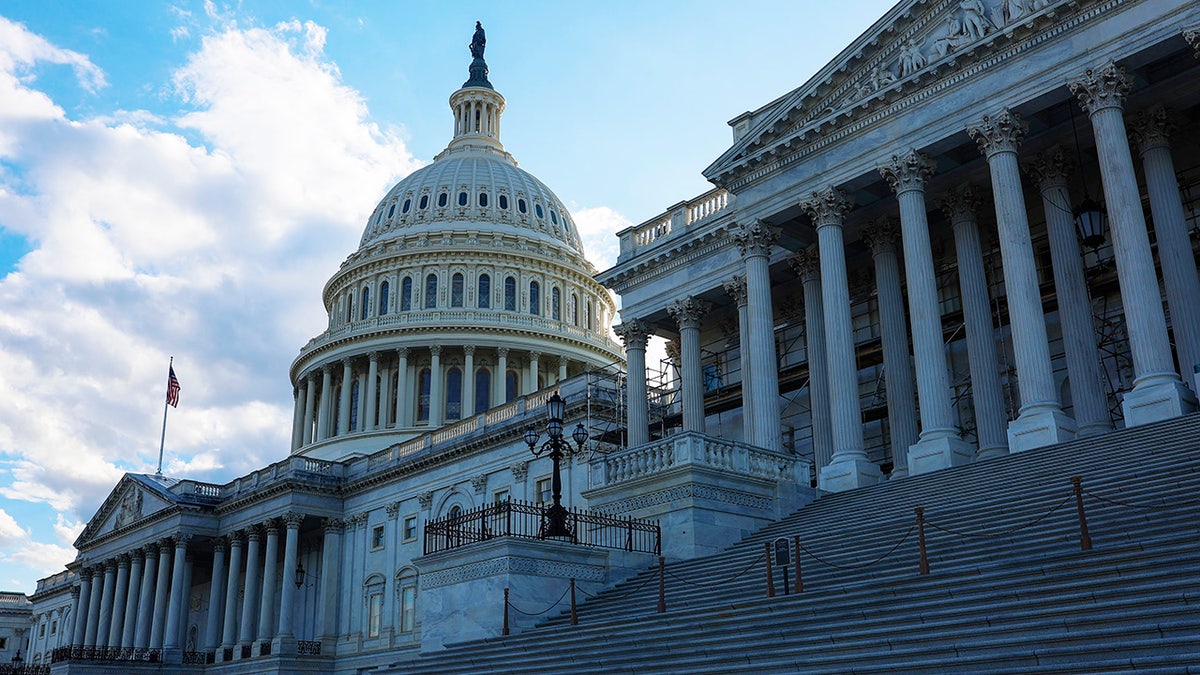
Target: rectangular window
(408, 608)
(3, 643)
(500, 496)
(54, 627)
(42, 630)
(544, 495)
(377, 537)
(410, 528)
(375, 616)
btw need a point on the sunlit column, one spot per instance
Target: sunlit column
(216, 595)
(735, 288)
(755, 242)
(688, 312)
(79, 629)
(266, 608)
(291, 548)
(106, 603)
(120, 593)
(372, 391)
(634, 334)
(806, 264)
(179, 593)
(501, 380)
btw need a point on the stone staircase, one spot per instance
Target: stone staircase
(1009, 589)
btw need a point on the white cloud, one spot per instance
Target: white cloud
(598, 227)
(22, 49)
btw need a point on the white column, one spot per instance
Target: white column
(986, 393)
(634, 334)
(343, 418)
(688, 313)
(326, 402)
(161, 599)
(755, 242)
(436, 392)
(129, 627)
(403, 391)
(310, 396)
(735, 288)
(287, 598)
(298, 416)
(229, 626)
(939, 445)
(106, 603)
(331, 553)
(266, 608)
(807, 265)
(216, 594)
(893, 336)
(1157, 393)
(1041, 420)
(120, 594)
(1151, 130)
(385, 395)
(85, 598)
(178, 607)
(372, 391)
(93, 616)
(532, 386)
(501, 378)
(849, 466)
(468, 384)
(562, 368)
(253, 586)
(1050, 171)
(145, 613)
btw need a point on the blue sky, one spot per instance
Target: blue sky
(181, 178)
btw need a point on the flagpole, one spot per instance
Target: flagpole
(163, 440)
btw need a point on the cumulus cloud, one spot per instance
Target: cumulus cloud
(598, 227)
(205, 235)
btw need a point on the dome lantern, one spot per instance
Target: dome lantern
(477, 106)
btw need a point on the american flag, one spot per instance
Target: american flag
(172, 389)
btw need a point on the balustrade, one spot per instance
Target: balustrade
(694, 449)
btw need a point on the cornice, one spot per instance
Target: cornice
(680, 252)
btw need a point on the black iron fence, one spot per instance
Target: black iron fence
(24, 669)
(528, 521)
(105, 654)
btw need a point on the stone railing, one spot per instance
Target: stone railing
(676, 219)
(698, 451)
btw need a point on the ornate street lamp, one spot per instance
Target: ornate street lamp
(299, 574)
(554, 518)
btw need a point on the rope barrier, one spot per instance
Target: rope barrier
(1131, 505)
(518, 610)
(648, 579)
(834, 565)
(1001, 533)
(698, 584)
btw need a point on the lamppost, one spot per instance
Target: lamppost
(555, 516)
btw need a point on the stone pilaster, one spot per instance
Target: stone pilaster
(635, 334)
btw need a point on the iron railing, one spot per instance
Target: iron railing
(527, 520)
(308, 647)
(24, 669)
(105, 654)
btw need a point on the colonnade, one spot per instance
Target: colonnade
(324, 406)
(1158, 391)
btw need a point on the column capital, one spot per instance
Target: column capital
(150, 551)
(998, 133)
(755, 239)
(425, 499)
(402, 351)
(292, 520)
(75, 591)
(908, 171)
(502, 352)
(219, 544)
(1101, 88)
(960, 203)
(469, 350)
(633, 333)
(1152, 128)
(182, 539)
(519, 470)
(736, 288)
(827, 207)
(1050, 169)
(534, 356)
(327, 369)
(165, 545)
(1192, 35)
(311, 377)
(373, 356)
(688, 311)
(393, 509)
(881, 236)
(253, 533)
(234, 539)
(110, 565)
(435, 350)
(479, 483)
(123, 561)
(333, 525)
(806, 264)
(270, 526)
(563, 361)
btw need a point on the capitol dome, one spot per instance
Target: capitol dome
(469, 289)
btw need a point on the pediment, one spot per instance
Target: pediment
(911, 47)
(133, 500)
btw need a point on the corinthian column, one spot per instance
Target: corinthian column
(216, 594)
(634, 334)
(266, 607)
(106, 603)
(755, 241)
(161, 599)
(436, 397)
(1041, 420)
(326, 402)
(177, 609)
(1151, 130)
(298, 416)
(253, 587)
(79, 625)
(1157, 393)
(372, 390)
(145, 612)
(93, 614)
(688, 313)
(1050, 171)
(849, 467)
(343, 425)
(403, 390)
(807, 266)
(736, 289)
(960, 207)
(120, 593)
(893, 328)
(310, 403)
(287, 599)
(229, 625)
(132, 598)
(468, 382)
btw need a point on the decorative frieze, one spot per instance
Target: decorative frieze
(999, 133)
(1103, 87)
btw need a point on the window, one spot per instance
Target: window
(503, 202)
(349, 306)
(510, 385)
(410, 528)
(521, 206)
(376, 537)
(574, 309)
(431, 291)
(374, 614)
(462, 199)
(453, 394)
(483, 389)
(483, 199)
(407, 206)
(392, 210)
(42, 628)
(485, 291)
(555, 304)
(535, 298)
(3, 643)
(712, 377)
(510, 294)
(53, 629)
(408, 602)
(423, 395)
(588, 316)
(456, 290)
(424, 202)
(366, 302)
(406, 294)
(501, 496)
(383, 298)
(554, 216)
(543, 490)
(537, 208)
(443, 199)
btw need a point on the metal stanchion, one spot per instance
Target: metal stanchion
(921, 540)
(1085, 539)
(796, 546)
(662, 584)
(504, 630)
(574, 616)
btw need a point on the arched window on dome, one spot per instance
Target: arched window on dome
(537, 209)
(443, 199)
(456, 290)
(453, 394)
(423, 382)
(556, 304)
(384, 289)
(521, 206)
(483, 389)
(512, 382)
(424, 204)
(406, 294)
(365, 305)
(535, 298)
(588, 316)
(407, 205)
(354, 397)
(574, 308)
(392, 210)
(510, 294)
(554, 216)
(462, 199)
(483, 200)
(431, 291)
(485, 291)
(503, 200)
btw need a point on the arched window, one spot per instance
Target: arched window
(510, 294)
(431, 291)
(574, 309)
(537, 208)
(483, 199)
(383, 298)
(483, 389)
(555, 304)
(535, 298)
(503, 202)
(462, 199)
(588, 316)
(521, 206)
(354, 397)
(456, 290)
(485, 291)
(423, 383)
(424, 202)
(406, 582)
(512, 383)
(349, 307)
(406, 294)
(453, 394)
(392, 210)
(443, 199)
(407, 206)
(554, 216)
(365, 305)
